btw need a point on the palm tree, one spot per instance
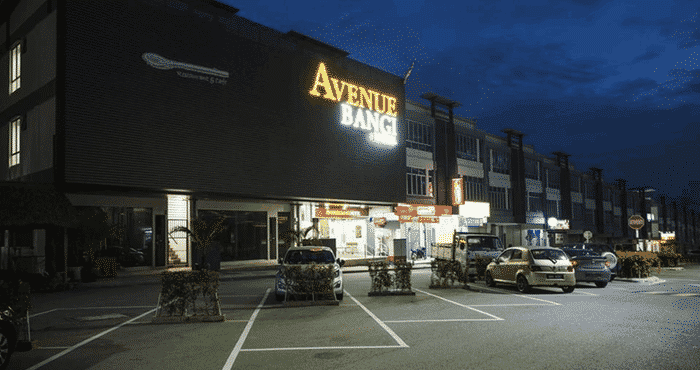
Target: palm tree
(204, 234)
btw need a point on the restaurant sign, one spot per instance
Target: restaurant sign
(361, 109)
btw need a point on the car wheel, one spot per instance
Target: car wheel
(523, 286)
(489, 279)
(567, 289)
(339, 296)
(612, 278)
(601, 284)
(279, 297)
(5, 352)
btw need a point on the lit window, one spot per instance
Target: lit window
(15, 64)
(15, 127)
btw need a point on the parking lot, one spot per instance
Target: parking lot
(642, 324)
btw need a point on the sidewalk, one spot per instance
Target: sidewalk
(251, 265)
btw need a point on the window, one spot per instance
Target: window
(552, 208)
(577, 212)
(15, 64)
(500, 162)
(474, 187)
(417, 181)
(467, 148)
(15, 127)
(590, 217)
(419, 136)
(575, 183)
(553, 178)
(589, 190)
(534, 202)
(499, 197)
(532, 169)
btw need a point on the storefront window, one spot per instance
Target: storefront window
(244, 236)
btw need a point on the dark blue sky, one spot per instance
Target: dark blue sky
(616, 84)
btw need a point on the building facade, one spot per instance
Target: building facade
(150, 113)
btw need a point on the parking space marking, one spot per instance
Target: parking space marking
(86, 341)
(688, 294)
(440, 320)
(460, 304)
(50, 348)
(237, 349)
(398, 340)
(522, 295)
(318, 348)
(87, 308)
(593, 294)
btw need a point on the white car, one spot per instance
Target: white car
(306, 255)
(534, 266)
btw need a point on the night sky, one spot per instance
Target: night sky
(616, 84)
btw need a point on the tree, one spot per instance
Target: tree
(204, 233)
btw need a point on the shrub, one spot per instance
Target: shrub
(445, 273)
(181, 289)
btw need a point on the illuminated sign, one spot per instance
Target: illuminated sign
(340, 213)
(361, 108)
(457, 191)
(418, 210)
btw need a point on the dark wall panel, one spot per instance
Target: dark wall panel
(255, 133)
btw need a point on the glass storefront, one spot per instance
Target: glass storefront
(244, 236)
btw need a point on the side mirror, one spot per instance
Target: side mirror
(279, 260)
(341, 262)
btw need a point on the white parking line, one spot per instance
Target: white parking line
(441, 320)
(459, 304)
(86, 341)
(522, 295)
(317, 348)
(584, 293)
(398, 340)
(234, 353)
(86, 308)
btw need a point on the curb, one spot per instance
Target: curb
(651, 279)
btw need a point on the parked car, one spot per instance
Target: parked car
(306, 255)
(10, 337)
(604, 250)
(589, 266)
(534, 266)
(125, 257)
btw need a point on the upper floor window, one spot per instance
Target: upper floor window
(589, 190)
(474, 188)
(500, 162)
(419, 136)
(532, 169)
(575, 183)
(419, 181)
(15, 64)
(499, 197)
(15, 128)
(553, 178)
(468, 148)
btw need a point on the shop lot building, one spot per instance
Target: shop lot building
(154, 112)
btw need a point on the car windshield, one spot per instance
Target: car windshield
(548, 254)
(484, 243)
(307, 256)
(580, 252)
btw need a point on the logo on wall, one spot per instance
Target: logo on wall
(361, 109)
(211, 75)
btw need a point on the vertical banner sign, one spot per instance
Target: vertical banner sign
(457, 191)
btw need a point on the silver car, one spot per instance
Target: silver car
(535, 266)
(307, 255)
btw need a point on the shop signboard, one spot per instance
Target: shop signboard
(361, 108)
(419, 219)
(415, 210)
(323, 212)
(636, 222)
(457, 191)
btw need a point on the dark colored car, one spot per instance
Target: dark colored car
(125, 257)
(605, 250)
(10, 330)
(589, 266)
